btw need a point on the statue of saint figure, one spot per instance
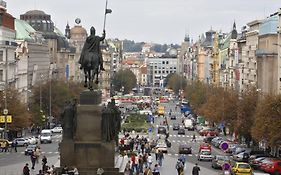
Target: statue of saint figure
(68, 117)
(92, 49)
(111, 122)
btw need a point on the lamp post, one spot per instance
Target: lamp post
(5, 111)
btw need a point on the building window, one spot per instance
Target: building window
(167, 62)
(155, 72)
(1, 55)
(163, 71)
(163, 62)
(1, 75)
(155, 67)
(159, 71)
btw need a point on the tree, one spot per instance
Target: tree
(21, 117)
(176, 82)
(196, 93)
(124, 78)
(267, 123)
(246, 110)
(61, 92)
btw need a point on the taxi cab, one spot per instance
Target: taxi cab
(241, 168)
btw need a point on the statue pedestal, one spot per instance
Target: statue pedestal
(87, 152)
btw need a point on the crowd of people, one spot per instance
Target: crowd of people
(34, 158)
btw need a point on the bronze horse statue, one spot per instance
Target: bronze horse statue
(91, 69)
(91, 58)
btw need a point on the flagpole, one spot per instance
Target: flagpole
(105, 15)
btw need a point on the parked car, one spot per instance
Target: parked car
(242, 157)
(176, 126)
(184, 149)
(32, 140)
(205, 154)
(241, 168)
(181, 131)
(57, 129)
(215, 140)
(208, 139)
(29, 149)
(21, 141)
(274, 167)
(219, 160)
(265, 162)
(209, 132)
(256, 163)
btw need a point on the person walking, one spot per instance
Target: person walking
(26, 170)
(149, 160)
(179, 167)
(160, 158)
(33, 159)
(44, 164)
(15, 145)
(195, 169)
(193, 138)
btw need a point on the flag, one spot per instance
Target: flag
(108, 11)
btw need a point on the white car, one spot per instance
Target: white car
(32, 140)
(162, 146)
(205, 154)
(57, 129)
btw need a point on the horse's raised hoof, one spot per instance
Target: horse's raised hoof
(97, 82)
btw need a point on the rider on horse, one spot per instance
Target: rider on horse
(92, 45)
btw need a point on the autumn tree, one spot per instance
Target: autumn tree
(21, 117)
(60, 93)
(267, 123)
(246, 110)
(176, 82)
(196, 93)
(124, 78)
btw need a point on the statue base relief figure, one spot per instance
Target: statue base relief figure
(87, 151)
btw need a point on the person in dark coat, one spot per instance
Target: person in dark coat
(195, 170)
(92, 45)
(26, 170)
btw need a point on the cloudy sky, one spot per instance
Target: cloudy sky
(160, 21)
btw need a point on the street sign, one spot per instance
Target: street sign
(5, 111)
(224, 146)
(226, 166)
(9, 119)
(2, 119)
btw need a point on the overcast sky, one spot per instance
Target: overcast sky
(160, 21)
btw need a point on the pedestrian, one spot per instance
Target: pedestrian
(156, 170)
(40, 172)
(140, 166)
(33, 159)
(26, 170)
(15, 145)
(160, 158)
(44, 163)
(156, 154)
(194, 138)
(37, 153)
(149, 160)
(147, 172)
(195, 169)
(128, 168)
(179, 167)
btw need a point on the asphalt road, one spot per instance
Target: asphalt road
(11, 163)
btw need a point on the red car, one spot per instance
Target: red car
(205, 146)
(209, 132)
(272, 167)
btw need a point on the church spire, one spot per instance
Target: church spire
(67, 31)
(234, 26)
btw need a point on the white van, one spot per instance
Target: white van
(46, 136)
(188, 124)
